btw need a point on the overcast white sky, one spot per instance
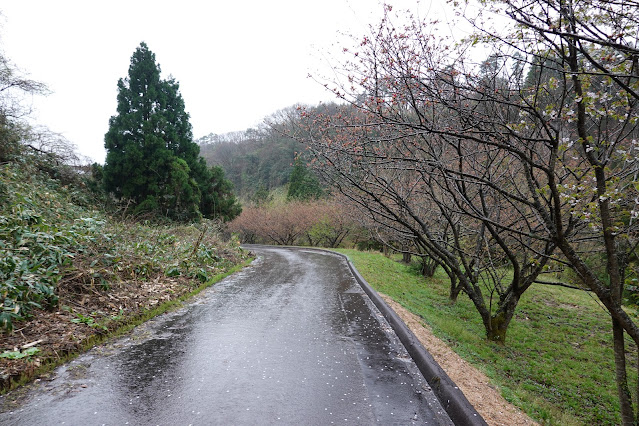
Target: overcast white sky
(236, 61)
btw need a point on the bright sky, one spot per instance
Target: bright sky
(236, 61)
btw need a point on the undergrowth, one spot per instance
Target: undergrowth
(72, 275)
(119, 326)
(53, 243)
(42, 228)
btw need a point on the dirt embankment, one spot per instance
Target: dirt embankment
(475, 385)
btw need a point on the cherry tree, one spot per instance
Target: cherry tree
(587, 56)
(527, 159)
(397, 151)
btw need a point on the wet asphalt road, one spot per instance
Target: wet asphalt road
(291, 339)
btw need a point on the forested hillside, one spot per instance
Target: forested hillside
(256, 161)
(252, 160)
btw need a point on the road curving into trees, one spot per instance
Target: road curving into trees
(291, 339)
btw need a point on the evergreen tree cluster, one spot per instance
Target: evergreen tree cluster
(151, 156)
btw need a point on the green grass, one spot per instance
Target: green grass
(557, 364)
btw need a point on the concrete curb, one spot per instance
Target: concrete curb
(453, 400)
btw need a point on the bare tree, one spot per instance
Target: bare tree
(13, 87)
(436, 190)
(14, 90)
(517, 168)
(588, 110)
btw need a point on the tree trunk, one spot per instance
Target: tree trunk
(455, 289)
(406, 258)
(498, 327)
(311, 242)
(455, 286)
(429, 266)
(625, 400)
(499, 322)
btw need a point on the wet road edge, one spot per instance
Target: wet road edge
(458, 408)
(453, 400)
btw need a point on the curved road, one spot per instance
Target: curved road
(292, 339)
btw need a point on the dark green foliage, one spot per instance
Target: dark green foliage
(541, 70)
(261, 196)
(93, 180)
(182, 191)
(303, 184)
(9, 141)
(151, 157)
(144, 138)
(40, 230)
(257, 161)
(370, 245)
(218, 199)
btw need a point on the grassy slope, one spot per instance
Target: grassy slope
(557, 364)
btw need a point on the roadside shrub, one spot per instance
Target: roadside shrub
(319, 223)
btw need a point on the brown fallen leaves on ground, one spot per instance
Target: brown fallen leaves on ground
(81, 314)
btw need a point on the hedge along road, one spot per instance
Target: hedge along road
(292, 339)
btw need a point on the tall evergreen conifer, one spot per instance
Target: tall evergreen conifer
(151, 157)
